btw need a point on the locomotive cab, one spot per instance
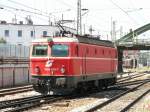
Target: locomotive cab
(50, 64)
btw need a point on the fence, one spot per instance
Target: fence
(14, 65)
(14, 76)
(18, 51)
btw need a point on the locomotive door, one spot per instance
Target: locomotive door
(112, 65)
(111, 61)
(84, 63)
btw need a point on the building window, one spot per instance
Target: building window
(44, 33)
(57, 33)
(32, 33)
(19, 33)
(6, 33)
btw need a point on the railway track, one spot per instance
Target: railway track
(26, 103)
(129, 83)
(14, 102)
(100, 106)
(30, 102)
(103, 95)
(15, 90)
(125, 109)
(9, 91)
(129, 77)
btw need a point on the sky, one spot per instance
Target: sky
(128, 14)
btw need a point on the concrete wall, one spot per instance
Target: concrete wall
(14, 76)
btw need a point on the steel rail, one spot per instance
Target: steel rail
(16, 102)
(129, 83)
(114, 98)
(125, 109)
(25, 107)
(130, 77)
(9, 91)
(20, 87)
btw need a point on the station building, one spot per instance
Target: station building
(23, 34)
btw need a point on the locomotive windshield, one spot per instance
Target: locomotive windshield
(40, 50)
(59, 50)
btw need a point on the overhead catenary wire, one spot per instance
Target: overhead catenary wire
(27, 11)
(66, 4)
(25, 5)
(123, 11)
(23, 10)
(37, 11)
(10, 9)
(14, 13)
(24, 17)
(36, 8)
(141, 17)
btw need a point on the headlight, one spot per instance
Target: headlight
(37, 70)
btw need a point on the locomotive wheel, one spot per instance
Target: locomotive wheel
(42, 89)
(43, 92)
(81, 88)
(106, 81)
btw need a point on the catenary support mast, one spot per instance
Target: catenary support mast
(79, 23)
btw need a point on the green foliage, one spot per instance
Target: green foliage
(2, 41)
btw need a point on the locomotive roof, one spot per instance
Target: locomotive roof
(57, 39)
(95, 41)
(80, 39)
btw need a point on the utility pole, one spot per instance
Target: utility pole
(113, 31)
(79, 21)
(62, 18)
(14, 20)
(84, 29)
(121, 31)
(49, 21)
(91, 30)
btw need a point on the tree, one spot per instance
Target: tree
(2, 41)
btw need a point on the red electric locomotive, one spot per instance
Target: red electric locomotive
(61, 65)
